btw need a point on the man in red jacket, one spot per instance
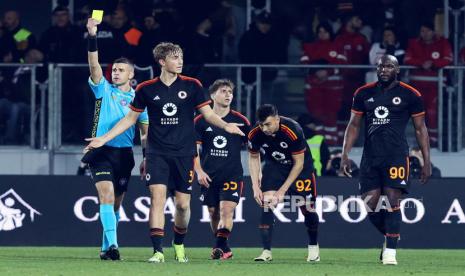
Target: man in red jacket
(429, 52)
(355, 47)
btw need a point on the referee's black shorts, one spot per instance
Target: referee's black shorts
(111, 164)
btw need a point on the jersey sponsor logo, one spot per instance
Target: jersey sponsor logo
(156, 98)
(283, 145)
(381, 113)
(13, 211)
(209, 129)
(220, 142)
(435, 55)
(371, 100)
(182, 95)
(170, 109)
(278, 156)
(396, 100)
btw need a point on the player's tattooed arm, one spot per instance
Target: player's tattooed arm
(255, 170)
(421, 133)
(350, 137)
(96, 73)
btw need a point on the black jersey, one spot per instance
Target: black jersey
(278, 150)
(386, 116)
(171, 114)
(221, 151)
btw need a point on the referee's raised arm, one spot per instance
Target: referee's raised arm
(92, 53)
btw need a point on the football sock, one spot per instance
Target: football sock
(108, 219)
(312, 221)
(378, 220)
(222, 236)
(266, 228)
(156, 235)
(392, 220)
(179, 234)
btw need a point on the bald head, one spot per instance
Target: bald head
(387, 69)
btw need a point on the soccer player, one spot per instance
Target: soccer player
(219, 167)
(288, 170)
(171, 100)
(386, 106)
(111, 165)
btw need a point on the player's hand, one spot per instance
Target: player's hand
(258, 195)
(233, 128)
(92, 26)
(142, 169)
(345, 166)
(425, 173)
(95, 142)
(277, 197)
(203, 178)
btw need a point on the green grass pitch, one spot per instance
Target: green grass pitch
(287, 262)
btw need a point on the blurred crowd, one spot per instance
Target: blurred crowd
(215, 31)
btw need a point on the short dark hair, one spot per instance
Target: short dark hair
(124, 60)
(219, 83)
(163, 49)
(266, 111)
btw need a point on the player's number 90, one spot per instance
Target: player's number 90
(397, 172)
(303, 185)
(230, 186)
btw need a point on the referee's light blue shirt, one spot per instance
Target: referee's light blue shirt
(111, 106)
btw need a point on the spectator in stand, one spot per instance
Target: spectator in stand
(429, 52)
(7, 45)
(262, 45)
(158, 27)
(355, 47)
(61, 42)
(388, 46)
(127, 36)
(387, 13)
(23, 38)
(324, 87)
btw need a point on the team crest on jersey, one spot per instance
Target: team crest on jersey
(332, 54)
(435, 55)
(283, 145)
(182, 95)
(396, 100)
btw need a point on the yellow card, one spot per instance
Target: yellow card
(97, 15)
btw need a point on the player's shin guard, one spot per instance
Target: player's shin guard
(266, 228)
(179, 234)
(377, 218)
(222, 236)
(156, 235)
(311, 222)
(108, 219)
(392, 220)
